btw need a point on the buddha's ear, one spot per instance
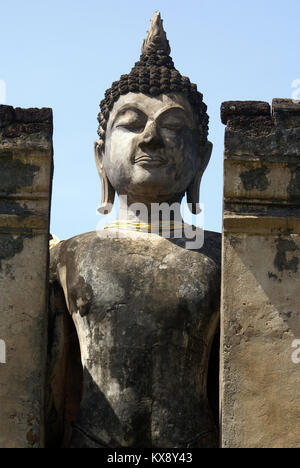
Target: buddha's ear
(107, 191)
(193, 191)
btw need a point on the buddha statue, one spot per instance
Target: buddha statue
(133, 313)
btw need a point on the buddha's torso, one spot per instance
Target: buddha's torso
(145, 311)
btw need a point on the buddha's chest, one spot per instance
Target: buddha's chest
(143, 290)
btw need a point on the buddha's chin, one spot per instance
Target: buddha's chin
(153, 185)
(152, 182)
(154, 175)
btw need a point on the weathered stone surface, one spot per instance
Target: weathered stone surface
(260, 315)
(25, 187)
(146, 311)
(7, 115)
(231, 109)
(145, 308)
(286, 113)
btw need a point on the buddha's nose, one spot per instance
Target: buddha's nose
(151, 136)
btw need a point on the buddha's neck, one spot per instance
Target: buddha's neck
(151, 213)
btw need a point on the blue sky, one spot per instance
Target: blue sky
(65, 54)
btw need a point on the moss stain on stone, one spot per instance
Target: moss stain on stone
(12, 207)
(15, 174)
(281, 261)
(255, 179)
(10, 245)
(294, 185)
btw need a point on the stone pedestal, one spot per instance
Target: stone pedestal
(260, 383)
(25, 190)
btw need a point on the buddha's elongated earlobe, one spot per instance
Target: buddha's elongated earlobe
(193, 191)
(107, 191)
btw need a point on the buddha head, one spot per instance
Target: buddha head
(153, 129)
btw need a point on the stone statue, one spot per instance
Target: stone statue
(133, 316)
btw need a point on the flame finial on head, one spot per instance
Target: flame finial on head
(156, 37)
(154, 74)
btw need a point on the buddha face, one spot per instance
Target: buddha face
(151, 147)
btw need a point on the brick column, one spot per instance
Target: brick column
(260, 383)
(25, 190)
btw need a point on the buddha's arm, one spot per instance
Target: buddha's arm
(64, 372)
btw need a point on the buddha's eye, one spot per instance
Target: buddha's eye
(174, 125)
(131, 120)
(132, 126)
(173, 120)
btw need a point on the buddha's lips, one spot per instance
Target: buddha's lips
(147, 160)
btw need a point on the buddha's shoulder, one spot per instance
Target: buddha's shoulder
(83, 245)
(79, 241)
(67, 250)
(93, 243)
